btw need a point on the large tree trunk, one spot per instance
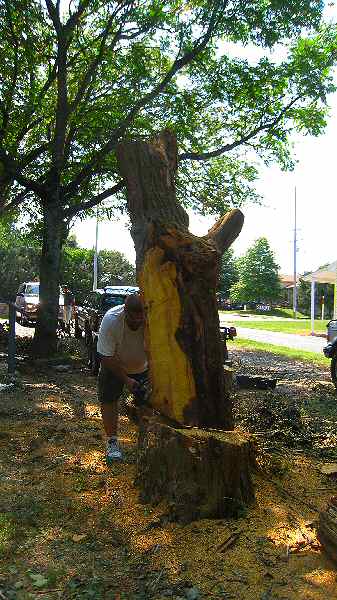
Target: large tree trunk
(45, 338)
(199, 470)
(178, 273)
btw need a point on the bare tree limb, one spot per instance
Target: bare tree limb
(242, 140)
(177, 65)
(136, 33)
(75, 17)
(69, 138)
(54, 13)
(33, 154)
(50, 79)
(19, 199)
(7, 108)
(61, 109)
(13, 171)
(28, 126)
(72, 211)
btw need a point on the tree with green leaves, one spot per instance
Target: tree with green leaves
(228, 275)
(24, 266)
(20, 257)
(258, 275)
(77, 270)
(79, 76)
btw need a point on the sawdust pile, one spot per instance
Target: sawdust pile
(72, 528)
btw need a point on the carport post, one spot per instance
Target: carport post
(312, 306)
(11, 338)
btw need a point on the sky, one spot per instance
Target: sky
(315, 180)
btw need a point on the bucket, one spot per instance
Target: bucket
(332, 330)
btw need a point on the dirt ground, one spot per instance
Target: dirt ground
(71, 528)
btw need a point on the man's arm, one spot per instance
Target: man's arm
(114, 365)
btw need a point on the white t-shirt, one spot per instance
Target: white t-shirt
(116, 339)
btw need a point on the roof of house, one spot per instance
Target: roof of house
(287, 281)
(327, 274)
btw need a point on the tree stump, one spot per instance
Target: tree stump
(199, 473)
(327, 528)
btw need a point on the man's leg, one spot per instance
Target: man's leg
(109, 391)
(67, 317)
(110, 412)
(64, 322)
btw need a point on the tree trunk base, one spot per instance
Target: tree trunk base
(327, 528)
(200, 473)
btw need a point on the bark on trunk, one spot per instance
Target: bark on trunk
(178, 273)
(201, 474)
(45, 338)
(327, 528)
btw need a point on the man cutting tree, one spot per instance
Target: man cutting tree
(123, 363)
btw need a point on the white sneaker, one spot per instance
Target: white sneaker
(113, 451)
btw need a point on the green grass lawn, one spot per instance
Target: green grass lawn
(301, 326)
(275, 312)
(304, 355)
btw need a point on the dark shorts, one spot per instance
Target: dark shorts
(110, 388)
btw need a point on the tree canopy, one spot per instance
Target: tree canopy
(258, 275)
(77, 270)
(79, 76)
(228, 275)
(23, 256)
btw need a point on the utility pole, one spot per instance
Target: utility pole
(295, 252)
(94, 285)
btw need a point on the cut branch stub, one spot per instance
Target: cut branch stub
(226, 230)
(178, 273)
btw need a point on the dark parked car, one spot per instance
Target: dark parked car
(330, 351)
(227, 333)
(89, 316)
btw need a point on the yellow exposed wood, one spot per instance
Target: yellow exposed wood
(172, 377)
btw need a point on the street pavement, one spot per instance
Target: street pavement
(289, 340)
